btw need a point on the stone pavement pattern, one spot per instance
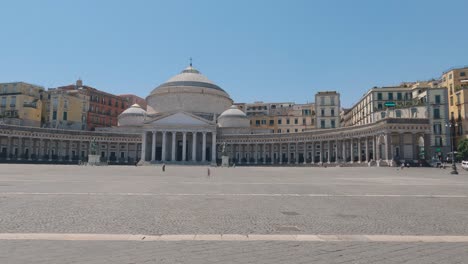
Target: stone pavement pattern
(255, 200)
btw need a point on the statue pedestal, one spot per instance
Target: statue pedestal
(225, 161)
(94, 159)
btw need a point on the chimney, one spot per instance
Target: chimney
(79, 83)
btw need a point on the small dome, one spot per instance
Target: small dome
(133, 116)
(233, 111)
(233, 117)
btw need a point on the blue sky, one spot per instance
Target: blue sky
(255, 50)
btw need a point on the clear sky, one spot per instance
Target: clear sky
(256, 50)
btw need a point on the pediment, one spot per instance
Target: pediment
(179, 119)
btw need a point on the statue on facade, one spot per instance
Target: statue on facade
(223, 150)
(93, 147)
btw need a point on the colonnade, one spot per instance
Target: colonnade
(46, 149)
(178, 145)
(361, 149)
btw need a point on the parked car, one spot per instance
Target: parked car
(465, 165)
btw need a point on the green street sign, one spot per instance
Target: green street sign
(438, 149)
(390, 104)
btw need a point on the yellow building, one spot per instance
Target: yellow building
(65, 109)
(285, 117)
(20, 104)
(456, 81)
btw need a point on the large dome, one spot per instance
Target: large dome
(188, 91)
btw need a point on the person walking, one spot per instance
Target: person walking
(164, 167)
(208, 173)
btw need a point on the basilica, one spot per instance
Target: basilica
(189, 120)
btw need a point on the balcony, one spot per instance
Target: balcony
(30, 105)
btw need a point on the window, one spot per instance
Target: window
(332, 112)
(263, 121)
(399, 97)
(382, 114)
(322, 123)
(322, 100)
(272, 122)
(458, 98)
(3, 101)
(287, 121)
(450, 76)
(379, 96)
(451, 100)
(390, 96)
(257, 122)
(295, 121)
(462, 74)
(54, 115)
(398, 113)
(438, 141)
(332, 100)
(437, 113)
(295, 130)
(279, 121)
(279, 130)
(55, 102)
(437, 99)
(13, 101)
(322, 112)
(379, 106)
(437, 129)
(287, 130)
(333, 123)
(65, 116)
(304, 121)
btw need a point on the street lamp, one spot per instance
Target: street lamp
(451, 125)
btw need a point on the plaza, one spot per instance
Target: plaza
(128, 214)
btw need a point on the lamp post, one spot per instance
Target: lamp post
(451, 125)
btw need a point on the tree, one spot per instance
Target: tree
(462, 148)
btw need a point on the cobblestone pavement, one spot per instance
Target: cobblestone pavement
(254, 200)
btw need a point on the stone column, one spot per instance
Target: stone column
(280, 153)
(194, 146)
(9, 147)
(321, 152)
(359, 149)
(20, 148)
(313, 153)
(204, 147)
(143, 147)
(241, 152)
(49, 145)
(386, 148)
(256, 153)
(336, 150)
(153, 147)
(305, 152)
(264, 153)
(343, 151)
(367, 149)
(40, 150)
(351, 150)
(287, 153)
(70, 150)
(329, 151)
(173, 156)
(296, 154)
(163, 148)
(108, 151)
(272, 154)
(377, 150)
(213, 148)
(184, 147)
(127, 153)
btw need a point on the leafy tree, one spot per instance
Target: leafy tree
(462, 148)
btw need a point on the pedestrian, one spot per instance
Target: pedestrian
(164, 167)
(402, 165)
(208, 173)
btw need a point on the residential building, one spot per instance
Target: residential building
(456, 82)
(20, 104)
(65, 109)
(104, 108)
(327, 109)
(134, 99)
